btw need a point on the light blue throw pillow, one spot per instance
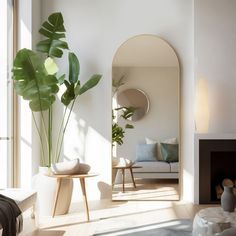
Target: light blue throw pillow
(146, 152)
(170, 152)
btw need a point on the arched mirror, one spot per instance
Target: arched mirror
(146, 118)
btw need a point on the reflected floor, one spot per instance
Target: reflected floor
(148, 190)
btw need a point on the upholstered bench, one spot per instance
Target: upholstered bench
(25, 199)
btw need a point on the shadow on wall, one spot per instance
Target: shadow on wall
(84, 141)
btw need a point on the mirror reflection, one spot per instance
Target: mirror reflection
(145, 138)
(134, 98)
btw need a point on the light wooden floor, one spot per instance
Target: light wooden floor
(109, 216)
(148, 190)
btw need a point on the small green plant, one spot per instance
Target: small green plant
(36, 79)
(118, 131)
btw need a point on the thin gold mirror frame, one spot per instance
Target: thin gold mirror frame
(164, 59)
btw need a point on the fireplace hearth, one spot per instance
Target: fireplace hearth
(217, 161)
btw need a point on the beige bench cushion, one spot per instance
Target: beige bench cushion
(24, 198)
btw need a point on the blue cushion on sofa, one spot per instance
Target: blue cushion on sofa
(146, 152)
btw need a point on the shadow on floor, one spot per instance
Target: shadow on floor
(182, 227)
(42, 232)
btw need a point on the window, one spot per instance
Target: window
(6, 55)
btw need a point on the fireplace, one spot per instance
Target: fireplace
(217, 161)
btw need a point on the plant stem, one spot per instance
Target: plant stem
(49, 137)
(63, 133)
(59, 133)
(40, 138)
(44, 129)
(51, 133)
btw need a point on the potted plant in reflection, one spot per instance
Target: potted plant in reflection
(124, 112)
(38, 80)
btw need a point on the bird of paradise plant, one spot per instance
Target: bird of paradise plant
(36, 79)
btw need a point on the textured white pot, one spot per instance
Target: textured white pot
(46, 189)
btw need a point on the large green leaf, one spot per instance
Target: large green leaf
(53, 30)
(73, 85)
(93, 81)
(69, 94)
(32, 81)
(73, 68)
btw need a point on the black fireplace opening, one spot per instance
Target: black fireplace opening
(223, 166)
(217, 161)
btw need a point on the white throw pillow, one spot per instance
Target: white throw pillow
(72, 167)
(121, 161)
(168, 141)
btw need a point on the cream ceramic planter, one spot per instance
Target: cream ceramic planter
(46, 188)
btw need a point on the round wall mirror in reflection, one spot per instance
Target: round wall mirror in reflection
(134, 98)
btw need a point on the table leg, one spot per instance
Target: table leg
(132, 175)
(123, 180)
(82, 183)
(56, 196)
(114, 173)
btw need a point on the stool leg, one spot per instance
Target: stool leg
(82, 183)
(114, 173)
(56, 196)
(123, 180)
(33, 212)
(132, 176)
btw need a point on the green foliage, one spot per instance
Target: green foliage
(118, 132)
(116, 84)
(53, 30)
(36, 80)
(74, 68)
(73, 88)
(93, 81)
(32, 81)
(127, 112)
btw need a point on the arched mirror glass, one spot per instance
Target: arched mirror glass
(135, 98)
(146, 118)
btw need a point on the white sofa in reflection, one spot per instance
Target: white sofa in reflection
(157, 170)
(155, 158)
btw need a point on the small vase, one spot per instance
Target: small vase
(228, 200)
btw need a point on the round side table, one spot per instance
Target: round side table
(212, 221)
(123, 168)
(82, 178)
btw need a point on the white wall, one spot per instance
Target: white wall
(215, 37)
(161, 85)
(95, 30)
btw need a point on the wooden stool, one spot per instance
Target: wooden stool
(83, 187)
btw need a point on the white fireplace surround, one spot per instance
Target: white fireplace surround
(197, 137)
